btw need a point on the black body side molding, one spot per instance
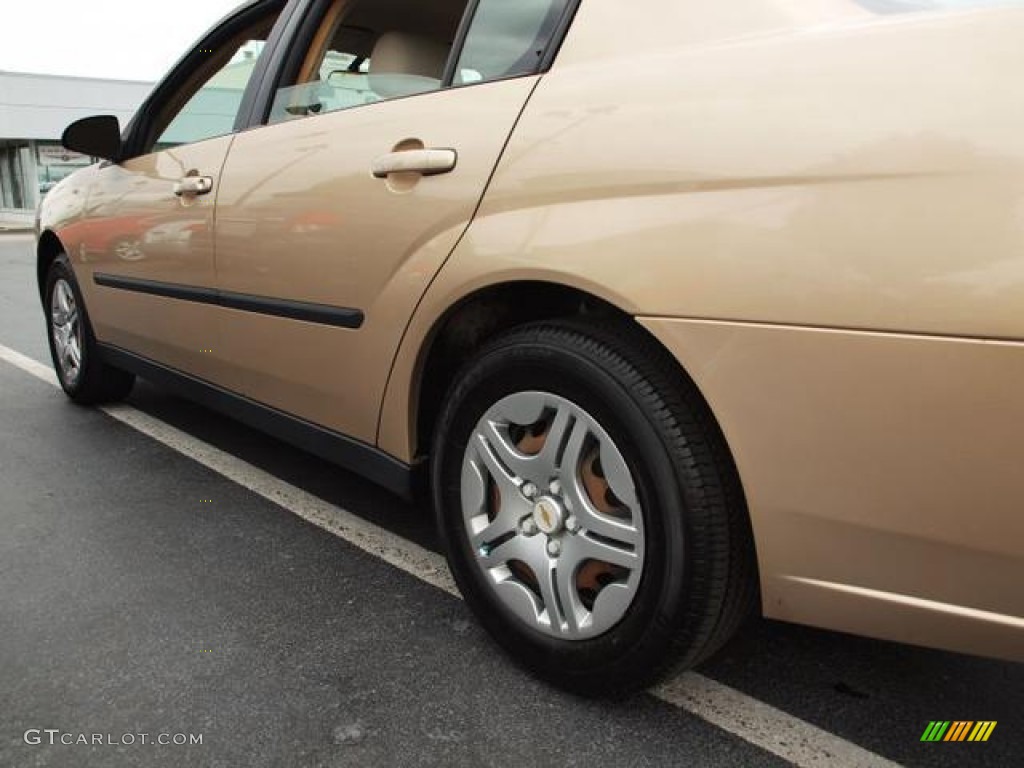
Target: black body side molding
(341, 317)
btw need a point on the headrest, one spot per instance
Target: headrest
(418, 62)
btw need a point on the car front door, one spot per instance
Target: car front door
(148, 240)
(334, 217)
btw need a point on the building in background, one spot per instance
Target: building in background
(34, 111)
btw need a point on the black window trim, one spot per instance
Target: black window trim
(544, 61)
(561, 31)
(468, 16)
(296, 35)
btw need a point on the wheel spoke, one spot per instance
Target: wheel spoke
(474, 490)
(547, 578)
(492, 450)
(65, 299)
(590, 548)
(574, 449)
(572, 609)
(546, 573)
(620, 531)
(58, 307)
(504, 451)
(514, 593)
(554, 587)
(476, 501)
(618, 476)
(561, 423)
(74, 353)
(516, 548)
(583, 547)
(504, 523)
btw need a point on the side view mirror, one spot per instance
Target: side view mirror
(98, 136)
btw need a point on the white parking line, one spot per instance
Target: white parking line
(760, 724)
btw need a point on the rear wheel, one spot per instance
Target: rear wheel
(591, 514)
(83, 375)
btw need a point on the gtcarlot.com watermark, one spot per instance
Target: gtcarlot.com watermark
(55, 737)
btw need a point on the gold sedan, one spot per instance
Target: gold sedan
(682, 310)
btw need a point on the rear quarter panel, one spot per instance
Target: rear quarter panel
(820, 212)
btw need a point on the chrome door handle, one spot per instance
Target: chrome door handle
(191, 186)
(426, 162)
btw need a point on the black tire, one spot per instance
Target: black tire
(699, 578)
(95, 381)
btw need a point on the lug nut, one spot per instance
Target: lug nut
(554, 548)
(528, 527)
(529, 490)
(572, 525)
(555, 487)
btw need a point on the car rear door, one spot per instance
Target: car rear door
(334, 217)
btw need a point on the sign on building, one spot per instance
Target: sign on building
(54, 154)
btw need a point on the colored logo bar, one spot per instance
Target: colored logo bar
(958, 730)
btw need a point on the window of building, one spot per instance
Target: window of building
(54, 163)
(13, 192)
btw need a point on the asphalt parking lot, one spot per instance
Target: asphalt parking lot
(159, 575)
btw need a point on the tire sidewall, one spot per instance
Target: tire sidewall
(651, 620)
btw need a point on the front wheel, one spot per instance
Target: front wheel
(591, 514)
(82, 374)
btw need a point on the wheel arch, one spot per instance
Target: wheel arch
(473, 320)
(47, 250)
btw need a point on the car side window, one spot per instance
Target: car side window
(336, 77)
(366, 51)
(207, 104)
(507, 39)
